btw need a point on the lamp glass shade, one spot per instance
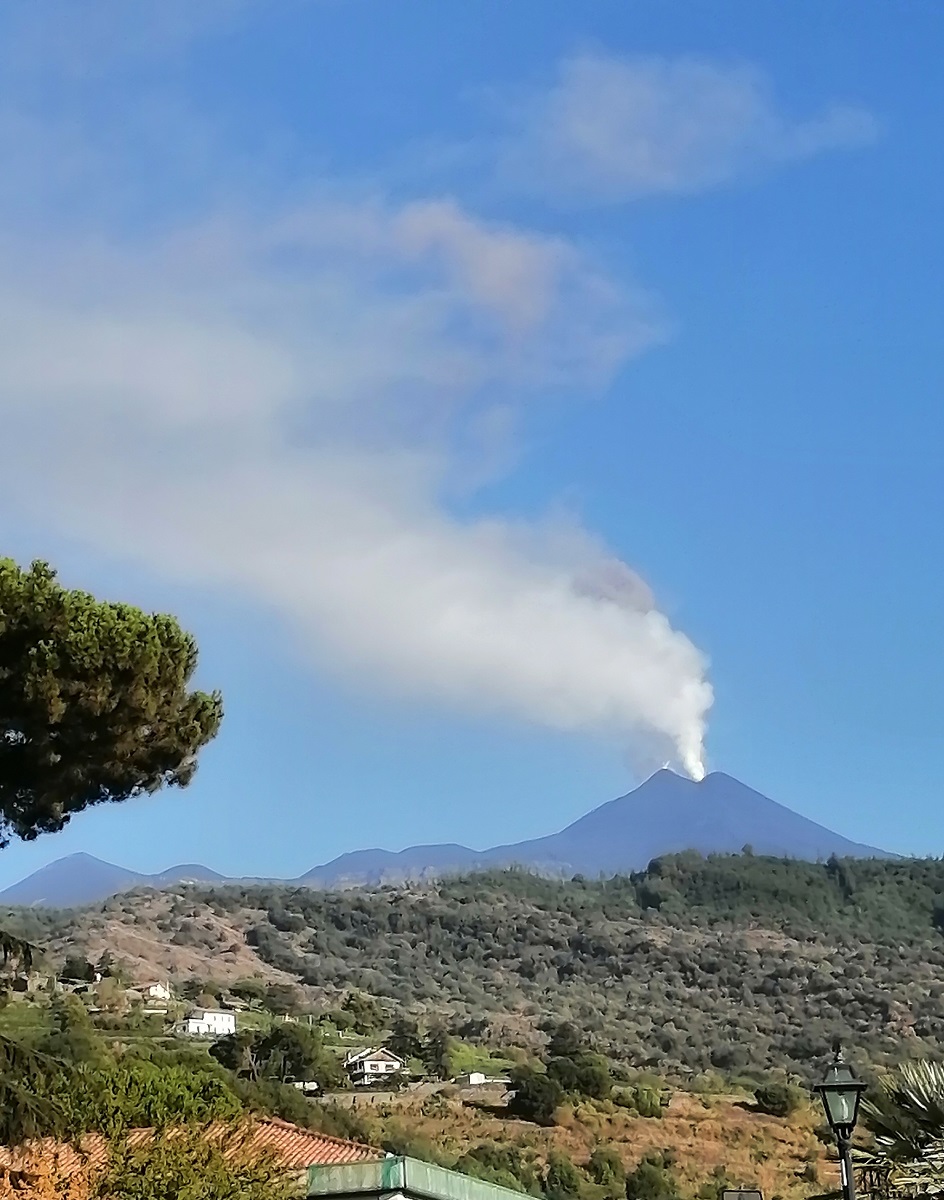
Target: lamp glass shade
(841, 1093)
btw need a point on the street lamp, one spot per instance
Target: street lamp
(841, 1092)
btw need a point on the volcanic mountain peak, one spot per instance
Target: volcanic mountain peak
(666, 814)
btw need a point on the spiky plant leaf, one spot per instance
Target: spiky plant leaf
(906, 1115)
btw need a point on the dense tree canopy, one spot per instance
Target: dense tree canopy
(285, 1053)
(182, 1165)
(535, 1096)
(94, 702)
(728, 964)
(194, 1167)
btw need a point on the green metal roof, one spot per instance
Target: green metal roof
(390, 1176)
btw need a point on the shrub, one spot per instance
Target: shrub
(642, 1099)
(653, 1179)
(778, 1099)
(585, 1074)
(188, 1166)
(606, 1169)
(562, 1180)
(502, 1164)
(537, 1097)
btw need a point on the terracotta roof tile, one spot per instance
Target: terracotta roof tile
(294, 1147)
(303, 1148)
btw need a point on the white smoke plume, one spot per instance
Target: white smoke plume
(285, 408)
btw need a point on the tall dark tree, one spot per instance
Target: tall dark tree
(567, 1041)
(405, 1040)
(282, 999)
(283, 1054)
(536, 1096)
(366, 1012)
(77, 969)
(437, 1052)
(23, 1112)
(252, 991)
(94, 703)
(94, 708)
(238, 1052)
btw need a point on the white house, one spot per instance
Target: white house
(370, 1066)
(207, 1022)
(480, 1079)
(156, 991)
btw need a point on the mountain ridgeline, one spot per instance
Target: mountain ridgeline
(665, 815)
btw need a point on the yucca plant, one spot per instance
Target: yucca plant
(905, 1117)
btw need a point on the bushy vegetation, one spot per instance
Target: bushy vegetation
(653, 1178)
(779, 1099)
(572, 1071)
(184, 1165)
(69, 1080)
(726, 964)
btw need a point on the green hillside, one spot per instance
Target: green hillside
(726, 964)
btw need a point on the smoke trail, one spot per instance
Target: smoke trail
(292, 437)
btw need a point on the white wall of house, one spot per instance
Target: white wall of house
(369, 1065)
(210, 1023)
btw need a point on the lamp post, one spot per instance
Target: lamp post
(841, 1093)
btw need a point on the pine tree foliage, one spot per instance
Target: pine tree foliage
(94, 703)
(26, 1108)
(24, 1111)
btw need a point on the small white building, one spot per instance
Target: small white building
(480, 1079)
(306, 1086)
(207, 1022)
(370, 1066)
(156, 991)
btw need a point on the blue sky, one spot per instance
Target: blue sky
(393, 347)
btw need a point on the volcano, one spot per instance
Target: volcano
(664, 815)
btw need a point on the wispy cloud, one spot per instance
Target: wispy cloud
(610, 129)
(280, 399)
(79, 39)
(278, 406)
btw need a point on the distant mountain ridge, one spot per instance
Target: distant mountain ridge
(665, 815)
(84, 879)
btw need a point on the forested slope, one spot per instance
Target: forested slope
(727, 963)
